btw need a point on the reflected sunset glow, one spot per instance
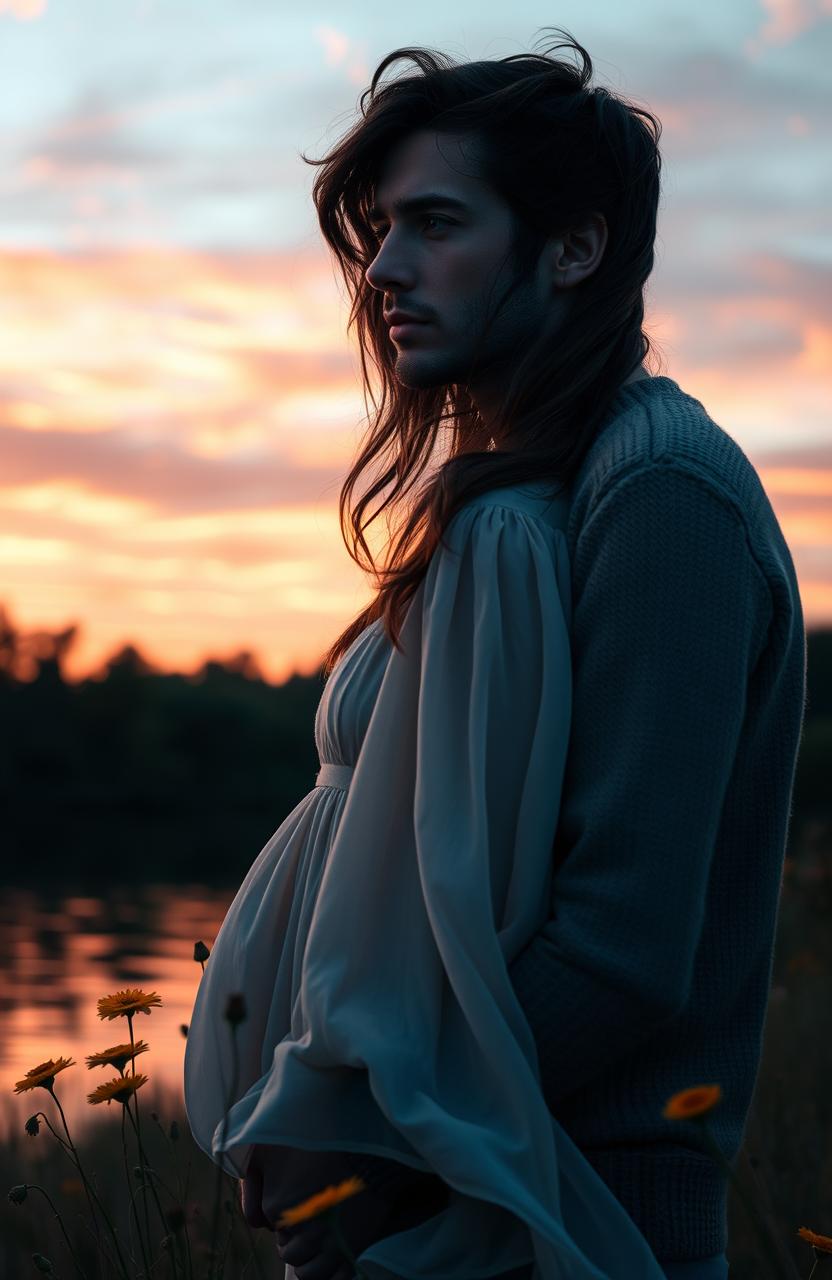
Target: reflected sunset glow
(60, 954)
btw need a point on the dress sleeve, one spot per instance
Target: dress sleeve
(512, 529)
(415, 1046)
(455, 796)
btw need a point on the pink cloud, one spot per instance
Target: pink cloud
(23, 10)
(786, 20)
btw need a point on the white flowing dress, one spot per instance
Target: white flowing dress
(373, 934)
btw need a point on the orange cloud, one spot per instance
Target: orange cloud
(23, 10)
(175, 427)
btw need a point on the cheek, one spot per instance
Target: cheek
(463, 268)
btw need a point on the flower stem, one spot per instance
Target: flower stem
(33, 1186)
(148, 1174)
(74, 1150)
(189, 1271)
(252, 1244)
(145, 1258)
(151, 1174)
(54, 1131)
(88, 1189)
(227, 1238)
(235, 1068)
(142, 1160)
(67, 1150)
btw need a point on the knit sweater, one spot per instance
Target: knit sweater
(653, 971)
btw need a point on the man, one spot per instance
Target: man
(689, 682)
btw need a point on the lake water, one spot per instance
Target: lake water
(60, 951)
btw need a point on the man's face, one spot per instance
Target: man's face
(448, 266)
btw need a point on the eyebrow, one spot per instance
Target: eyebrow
(415, 204)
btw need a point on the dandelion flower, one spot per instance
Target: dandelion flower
(126, 1003)
(320, 1201)
(822, 1243)
(692, 1102)
(43, 1075)
(118, 1056)
(119, 1090)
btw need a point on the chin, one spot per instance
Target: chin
(420, 375)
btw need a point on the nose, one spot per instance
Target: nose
(387, 272)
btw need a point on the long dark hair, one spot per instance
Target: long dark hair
(556, 151)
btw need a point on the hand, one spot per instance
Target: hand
(284, 1177)
(311, 1247)
(281, 1177)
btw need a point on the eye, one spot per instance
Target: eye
(380, 232)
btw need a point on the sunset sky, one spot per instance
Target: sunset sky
(179, 400)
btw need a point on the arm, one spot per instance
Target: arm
(670, 614)
(281, 1177)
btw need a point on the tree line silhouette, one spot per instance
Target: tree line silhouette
(135, 772)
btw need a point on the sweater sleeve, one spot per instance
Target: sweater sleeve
(670, 612)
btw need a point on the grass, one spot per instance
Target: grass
(784, 1169)
(786, 1157)
(186, 1185)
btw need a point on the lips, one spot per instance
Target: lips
(406, 329)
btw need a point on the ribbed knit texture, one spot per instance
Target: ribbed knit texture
(689, 681)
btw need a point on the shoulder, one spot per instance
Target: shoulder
(506, 527)
(662, 469)
(532, 499)
(661, 439)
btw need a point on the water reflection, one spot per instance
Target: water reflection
(61, 951)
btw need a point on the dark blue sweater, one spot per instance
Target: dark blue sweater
(689, 671)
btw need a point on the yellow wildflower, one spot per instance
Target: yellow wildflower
(120, 1090)
(126, 1003)
(692, 1102)
(321, 1201)
(822, 1243)
(43, 1075)
(118, 1056)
